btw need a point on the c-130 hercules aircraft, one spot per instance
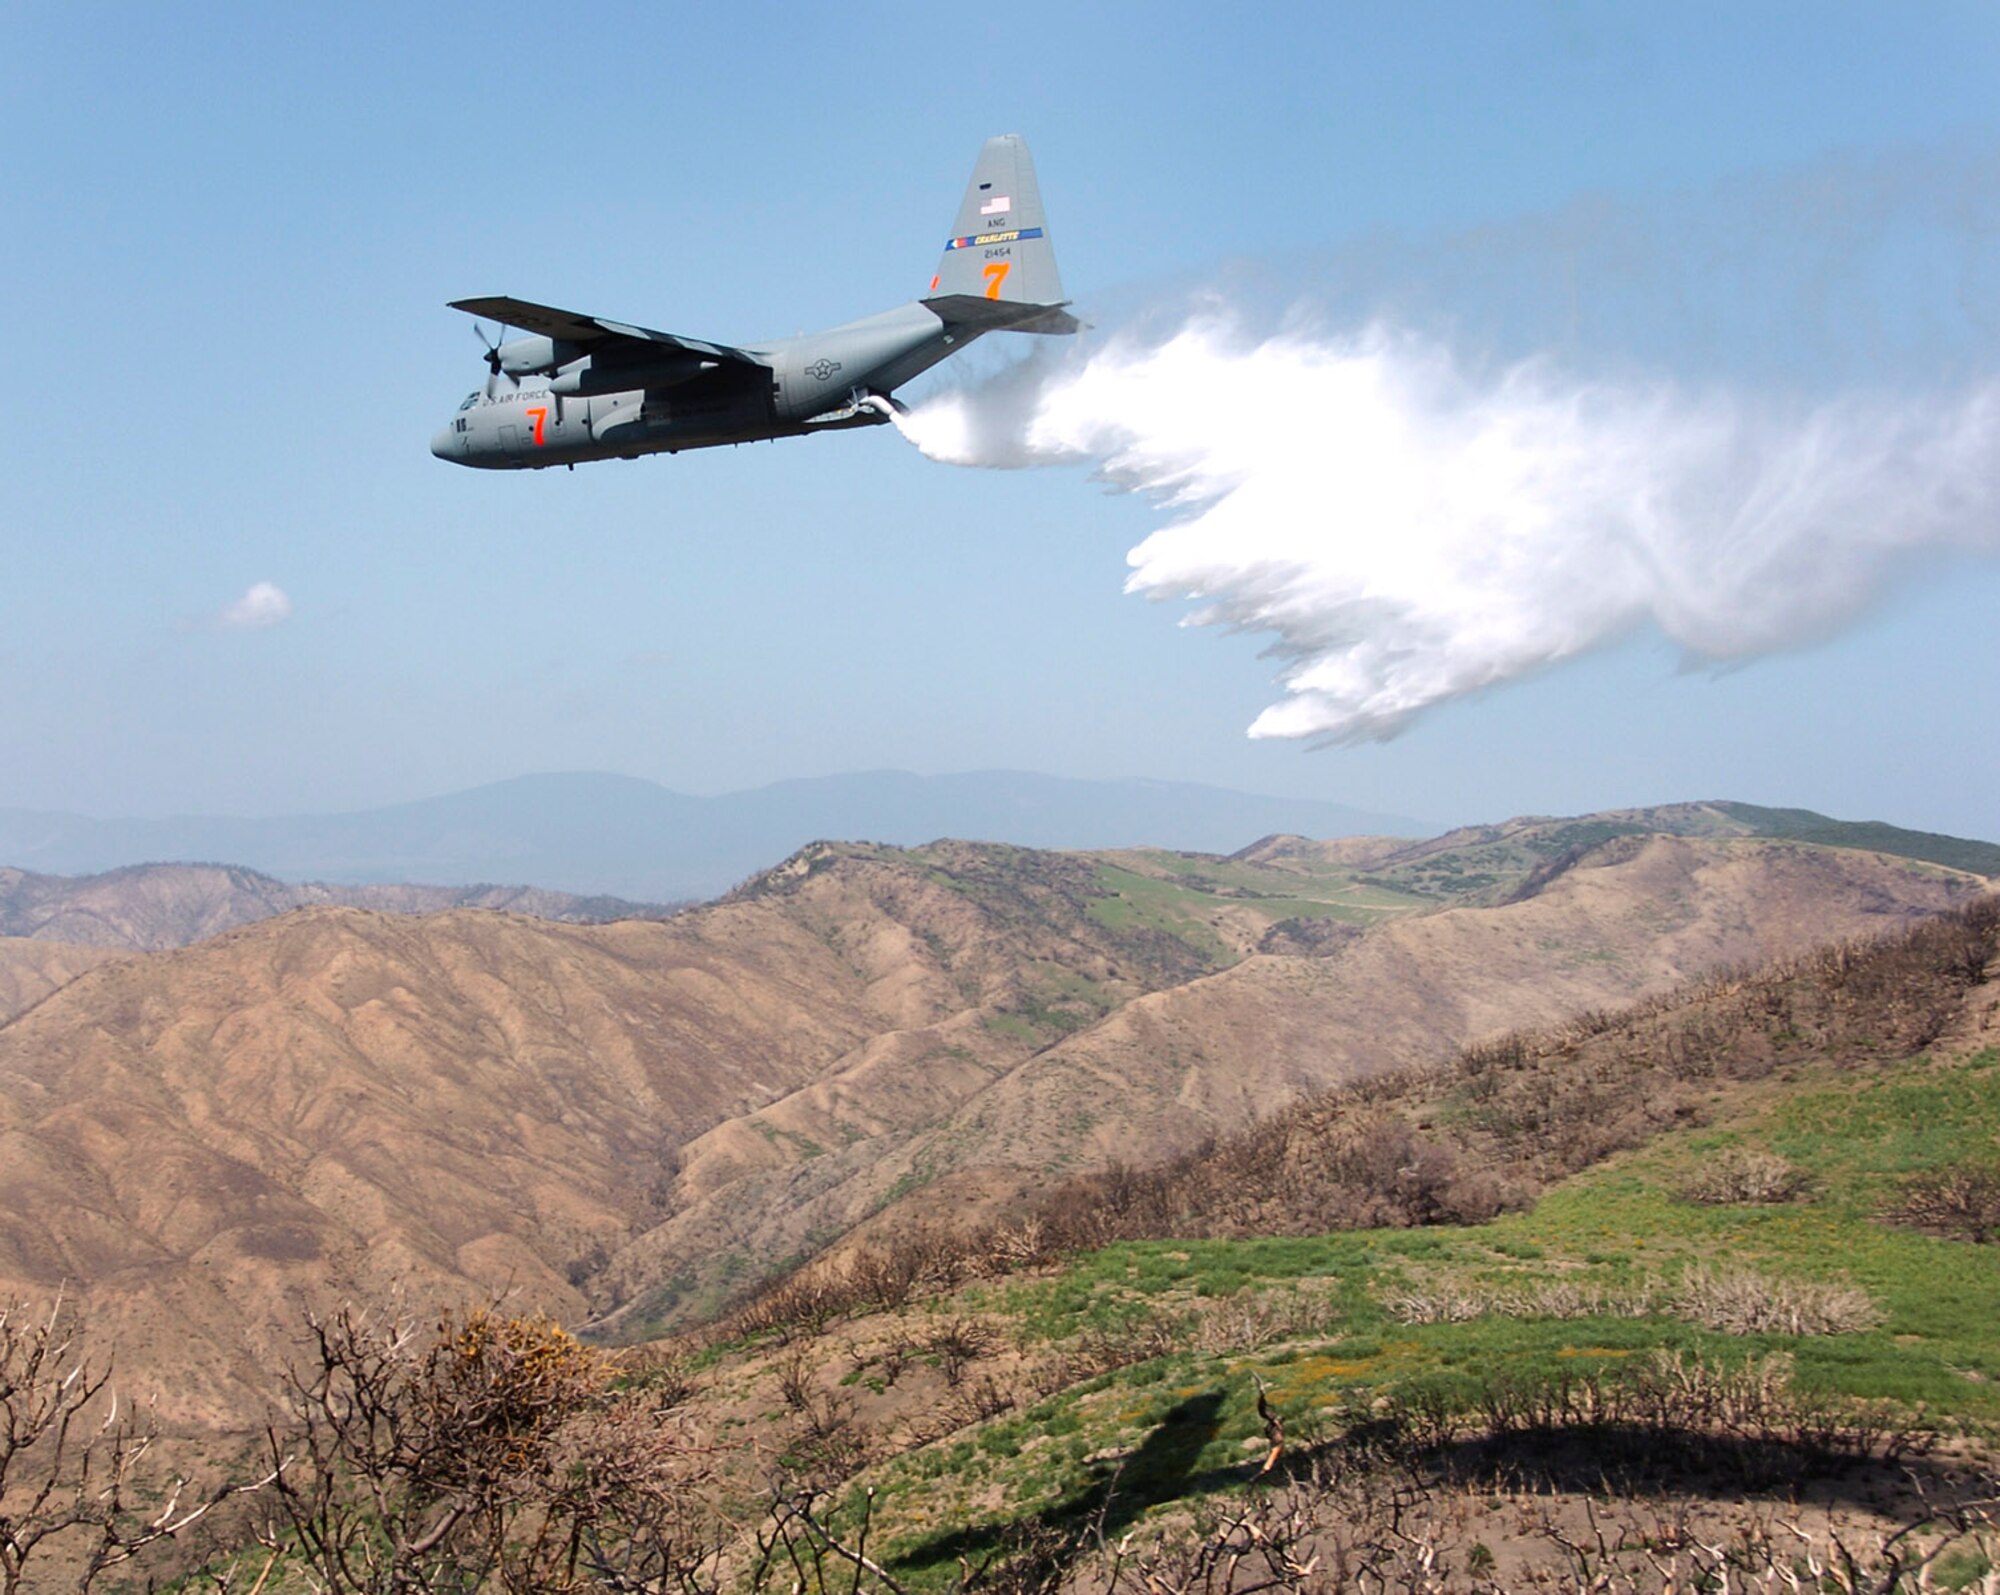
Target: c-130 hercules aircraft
(597, 389)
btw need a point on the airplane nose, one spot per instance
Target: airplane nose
(444, 443)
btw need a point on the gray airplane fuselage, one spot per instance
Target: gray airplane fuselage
(802, 385)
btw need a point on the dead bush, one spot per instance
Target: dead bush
(798, 1307)
(664, 1374)
(959, 1342)
(1745, 1174)
(479, 1451)
(829, 1443)
(897, 1355)
(1437, 1303)
(974, 1401)
(80, 1485)
(884, 1277)
(1328, 1526)
(1452, 1302)
(1252, 1320)
(1011, 1247)
(796, 1384)
(1670, 1409)
(1742, 1302)
(1961, 1201)
(1136, 1339)
(1660, 1548)
(1567, 1298)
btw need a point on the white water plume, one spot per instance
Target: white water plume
(1410, 532)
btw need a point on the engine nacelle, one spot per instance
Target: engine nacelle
(595, 374)
(534, 357)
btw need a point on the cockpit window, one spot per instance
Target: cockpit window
(470, 400)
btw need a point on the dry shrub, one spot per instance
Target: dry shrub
(958, 1343)
(1438, 1303)
(1012, 1247)
(1742, 1302)
(1672, 1410)
(887, 1276)
(897, 1355)
(1448, 1302)
(825, 1440)
(481, 1451)
(1568, 1298)
(1252, 1320)
(1744, 1174)
(81, 1488)
(1662, 1549)
(1333, 1523)
(797, 1381)
(1138, 1338)
(1735, 1301)
(884, 1277)
(665, 1373)
(1961, 1201)
(799, 1306)
(974, 1401)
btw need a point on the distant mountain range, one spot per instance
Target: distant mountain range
(151, 907)
(595, 833)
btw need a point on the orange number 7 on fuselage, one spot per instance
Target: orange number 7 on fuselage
(541, 414)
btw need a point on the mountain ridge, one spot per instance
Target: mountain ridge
(593, 833)
(151, 907)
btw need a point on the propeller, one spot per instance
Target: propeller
(492, 348)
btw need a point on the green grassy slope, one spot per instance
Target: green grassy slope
(1324, 1321)
(1184, 895)
(1803, 825)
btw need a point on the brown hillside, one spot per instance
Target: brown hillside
(341, 1103)
(1164, 1071)
(30, 970)
(622, 1118)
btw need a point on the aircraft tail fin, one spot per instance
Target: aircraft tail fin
(999, 253)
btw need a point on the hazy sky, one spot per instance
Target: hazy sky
(232, 578)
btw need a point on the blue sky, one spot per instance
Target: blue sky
(230, 233)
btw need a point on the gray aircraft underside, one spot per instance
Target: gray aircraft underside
(584, 388)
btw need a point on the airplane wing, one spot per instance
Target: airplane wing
(593, 331)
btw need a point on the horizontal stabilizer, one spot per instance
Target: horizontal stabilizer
(1000, 315)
